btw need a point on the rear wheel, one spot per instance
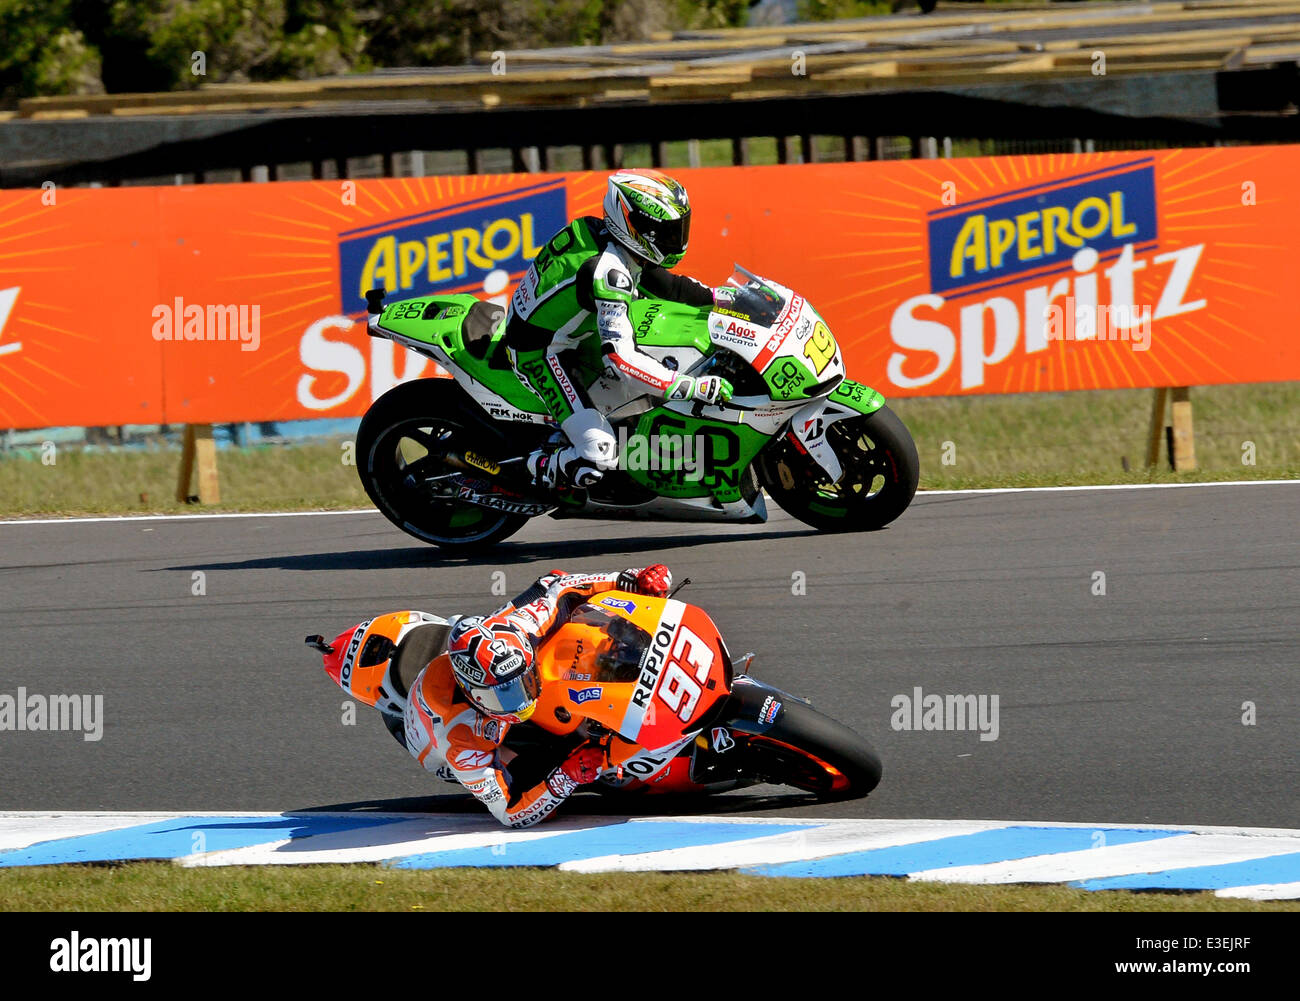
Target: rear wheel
(399, 448)
(815, 753)
(880, 466)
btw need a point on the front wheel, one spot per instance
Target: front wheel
(399, 447)
(880, 473)
(815, 753)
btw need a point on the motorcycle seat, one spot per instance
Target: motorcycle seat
(418, 647)
(478, 326)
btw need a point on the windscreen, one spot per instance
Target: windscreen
(618, 657)
(751, 298)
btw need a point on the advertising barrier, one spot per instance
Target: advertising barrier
(199, 304)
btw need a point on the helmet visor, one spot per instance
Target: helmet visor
(509, 698)
(668, 236)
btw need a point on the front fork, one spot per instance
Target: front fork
(752, 709)
(809, 424)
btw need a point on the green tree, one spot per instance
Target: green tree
(43, 53)
(241, 39)
(69, 46)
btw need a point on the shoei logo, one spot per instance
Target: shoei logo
(580, 695)
(506, 662)
(509, 665)
(454, 248)
(1032, 228)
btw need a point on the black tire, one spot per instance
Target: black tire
(881, 470)
(801, 743)
(414, 415)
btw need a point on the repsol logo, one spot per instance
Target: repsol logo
(345, 671)
(453, 247)
(654, 662)
(645, 765)
(1007, 235)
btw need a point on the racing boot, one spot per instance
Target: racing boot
(557, 467)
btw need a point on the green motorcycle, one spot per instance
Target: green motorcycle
(444, 459)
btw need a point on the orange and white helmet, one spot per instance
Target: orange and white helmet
(493, 664)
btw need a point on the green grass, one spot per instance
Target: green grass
(1045, 439)
(284, 478)
(160, 886)
(1052, 439)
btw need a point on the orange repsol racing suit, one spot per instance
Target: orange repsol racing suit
(445, 730)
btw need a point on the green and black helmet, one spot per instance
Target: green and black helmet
(649, 213)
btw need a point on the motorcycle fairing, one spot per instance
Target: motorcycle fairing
(810, 423)
(647, 669)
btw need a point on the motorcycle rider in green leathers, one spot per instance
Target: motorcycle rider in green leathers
(573, 302)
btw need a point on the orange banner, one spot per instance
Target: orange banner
(939, 277)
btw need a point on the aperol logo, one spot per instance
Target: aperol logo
(1002, 237)
(453, 249)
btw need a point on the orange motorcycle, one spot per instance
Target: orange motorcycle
(650, 681)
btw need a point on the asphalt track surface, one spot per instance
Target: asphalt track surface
(1122, 708)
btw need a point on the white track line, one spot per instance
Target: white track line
(183, 517)
(920, 493)
(793, 846)
(20, 831)
(1117, 860)
(431, 833)
(1264, 891)
(1106, 486)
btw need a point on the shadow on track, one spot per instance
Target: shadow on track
(586, 805)
(419, 557)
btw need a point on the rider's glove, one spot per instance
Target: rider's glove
(706, 388)
(655, 581)
(581, 767)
